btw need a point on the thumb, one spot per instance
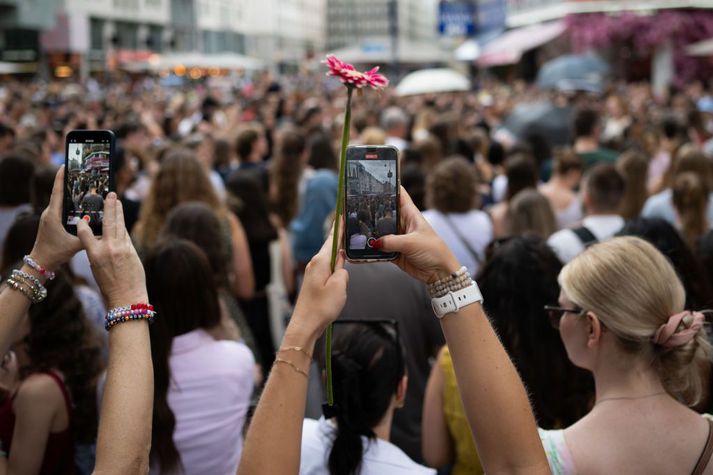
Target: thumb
(86, 236)
(394, 243)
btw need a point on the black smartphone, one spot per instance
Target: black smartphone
(88, 177)
(371, 201)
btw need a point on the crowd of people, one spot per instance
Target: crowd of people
(594, 260)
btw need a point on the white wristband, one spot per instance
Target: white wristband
(454, 301)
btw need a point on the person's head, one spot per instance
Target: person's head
(321, 152)
(430, 150)
(664, 237)
(223, 153)
(616, 107)
(414, 181)
(530, 212)
(558, 390)
(7, 138)
(451, 186)
(603, 190)
(521, 173)
(285, 172)
(15, 177)
(692, 159)
(373, 136)
(197, 222)
(633, 167)
(627, 290)
(568, 167)
(132, 135)
(253, 213)
(180, 178)
(41, 188)
(586, 124)
(181, 288)
(369, 377)
(203, 147)
(250, 145)
(395, 122)
(690, 198)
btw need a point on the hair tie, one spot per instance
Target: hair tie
(679, 329)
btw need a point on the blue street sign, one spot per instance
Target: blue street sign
(456, 18)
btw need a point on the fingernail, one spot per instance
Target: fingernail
(378, 244)
(86, 218)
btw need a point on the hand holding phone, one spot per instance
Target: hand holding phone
(371, 201)
(88, 177)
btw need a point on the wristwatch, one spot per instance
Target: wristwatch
(454, 301)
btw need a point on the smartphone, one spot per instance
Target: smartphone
(371, 201)
(88, 177)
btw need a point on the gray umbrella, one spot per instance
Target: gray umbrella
(540, 118)
(572, 72)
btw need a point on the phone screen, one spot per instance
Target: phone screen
(372, 199)
(88, 177)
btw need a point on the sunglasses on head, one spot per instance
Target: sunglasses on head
(555, 314)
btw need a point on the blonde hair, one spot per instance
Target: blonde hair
(373, 136)
(181, 178)
(530, 212)
(633, 289)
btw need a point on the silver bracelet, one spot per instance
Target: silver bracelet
(454, 282)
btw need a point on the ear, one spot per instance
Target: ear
(595, 330)
(401, 392)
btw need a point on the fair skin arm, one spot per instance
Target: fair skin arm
(124, 439)
(493, 395)
(243, 279)
(436, 442)
(278, 418)
(37, 404)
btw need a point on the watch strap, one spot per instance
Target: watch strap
(454, 301)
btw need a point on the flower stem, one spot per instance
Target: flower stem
(335, 236)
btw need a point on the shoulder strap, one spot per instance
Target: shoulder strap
(65, 393)
(707, 452)
(585, 236)
(462, 239)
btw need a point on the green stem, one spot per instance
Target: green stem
(335, 236)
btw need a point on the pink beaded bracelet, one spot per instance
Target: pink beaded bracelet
(36, 266)
(139, 311)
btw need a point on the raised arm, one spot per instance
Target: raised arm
(274, 439)
(53, 247)
(493, 395)
(124, 440)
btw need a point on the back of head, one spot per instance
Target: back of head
(585, 123)
(604, 189)
(558, 390)
(633, 290)
(692, 159)
(245, 142)
(285, 172)
(181, 178)
(393, 118)
(182, 290)
(664, 237)
(414, 181)
(690, 198)
(633, 167)
(566, 161)
(521, 173)
(373, 136)
(197, 222)
(41, 188)
(451, 186)
(321, 152)
(15, 177)
(253, 213)
(367, 365)
(530, 212)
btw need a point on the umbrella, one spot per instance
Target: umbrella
(573, 72)
(540, 118)
(429, 81)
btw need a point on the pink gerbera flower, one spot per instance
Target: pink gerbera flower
(346, 73)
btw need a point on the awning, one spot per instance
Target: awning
(509, 47)
(702, 48)
(17, 68)
(188, 60)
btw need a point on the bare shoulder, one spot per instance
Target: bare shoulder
(37, 391)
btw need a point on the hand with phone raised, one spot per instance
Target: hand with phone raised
(422, 253)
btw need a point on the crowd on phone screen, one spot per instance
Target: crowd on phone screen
(229, 192)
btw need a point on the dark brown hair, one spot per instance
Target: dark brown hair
(633, 166)
(521, 172)
(181, 288)
(285, 174)
(690, 198)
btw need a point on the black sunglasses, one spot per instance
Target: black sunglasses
(555, 314)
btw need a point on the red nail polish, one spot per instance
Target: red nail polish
(378, 244)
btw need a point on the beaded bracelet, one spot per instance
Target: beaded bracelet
(35, 265)
(139, 311)
(454, 282)
(33, 290)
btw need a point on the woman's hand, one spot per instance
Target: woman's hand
(423, 255)
(54, 245)
(115, 264)
(322, 296)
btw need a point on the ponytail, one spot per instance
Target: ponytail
(367, 367)
(690, 198)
